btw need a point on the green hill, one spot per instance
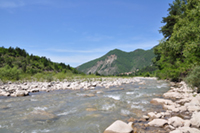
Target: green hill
(16, 63)
(117, 61)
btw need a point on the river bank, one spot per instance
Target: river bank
(23, 89)
(182, 105)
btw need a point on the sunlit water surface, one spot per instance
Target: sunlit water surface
(67, 111)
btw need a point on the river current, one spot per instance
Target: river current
(79, 111)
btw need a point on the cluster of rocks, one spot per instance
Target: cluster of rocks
(182, 114)
(23, 89)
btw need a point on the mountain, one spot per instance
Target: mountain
(117, 61)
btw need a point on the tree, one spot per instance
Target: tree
(175, 11)
(179, 52)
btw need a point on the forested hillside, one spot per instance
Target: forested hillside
(117, 61)
(16, 63)
(178, 54)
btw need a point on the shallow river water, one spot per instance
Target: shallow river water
(79, 111)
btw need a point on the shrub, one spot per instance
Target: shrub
(193, 78)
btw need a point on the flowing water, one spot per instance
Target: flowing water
(67, 111)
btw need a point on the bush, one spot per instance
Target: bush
(9, 73)
(193, 78)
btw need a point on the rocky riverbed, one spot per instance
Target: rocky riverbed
(24, 88)
(182, 115)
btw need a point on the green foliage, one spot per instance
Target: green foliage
(194, 78)
(175, 11)
(179, 54)
(9, 73)
(16, 63)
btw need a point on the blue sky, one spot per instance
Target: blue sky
(77, 31)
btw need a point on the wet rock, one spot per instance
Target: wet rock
(158, 122)
(185, 130)
(176, 121)
(119, 127)
(195, 121)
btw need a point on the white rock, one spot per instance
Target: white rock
(161, 101)
(151, 114)
(195, 121)
(176, 121)
(157, 122)
(174, 95)
(185, 130)
(171, 107)
(19, 93)
(187, 123)
(119, 127)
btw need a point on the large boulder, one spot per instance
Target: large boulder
(176, 121)
(157, 122)
(119, 127)
(195, 121)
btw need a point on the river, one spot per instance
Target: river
(78, 111)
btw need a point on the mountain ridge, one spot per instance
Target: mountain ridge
(117, 61)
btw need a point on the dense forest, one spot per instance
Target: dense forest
(178, 53)
(16, 63)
